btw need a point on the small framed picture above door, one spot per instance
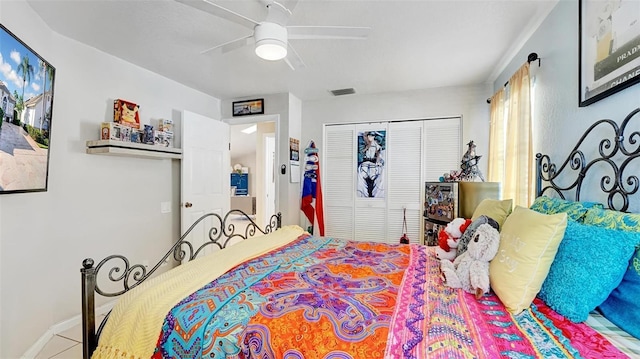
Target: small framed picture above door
(248, 107)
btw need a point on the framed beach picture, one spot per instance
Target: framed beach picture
(26, 116)
(248, 107)
(609, 48)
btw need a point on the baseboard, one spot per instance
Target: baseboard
(61, 327)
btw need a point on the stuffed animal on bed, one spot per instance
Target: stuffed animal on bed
(448, 238)
(470, 271)
(471, 230)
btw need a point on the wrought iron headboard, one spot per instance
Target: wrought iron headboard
(614, 161)
(130, 276)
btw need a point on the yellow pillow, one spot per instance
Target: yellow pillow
(528, 244)
(496, 209)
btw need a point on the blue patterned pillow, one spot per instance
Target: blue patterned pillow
(575, 210)
(607, 218)
(622, 307)
(590, 264)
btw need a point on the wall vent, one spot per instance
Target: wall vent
(343, 92)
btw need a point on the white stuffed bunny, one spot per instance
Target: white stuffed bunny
(470, 270)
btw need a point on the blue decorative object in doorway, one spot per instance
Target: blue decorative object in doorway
(241, 182)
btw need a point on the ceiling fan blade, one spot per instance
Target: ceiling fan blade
(230, 46)
(293, 59)
(328, 32)
(278, 14)
(287, 4)
(217, 10)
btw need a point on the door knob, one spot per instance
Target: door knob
(188, 204)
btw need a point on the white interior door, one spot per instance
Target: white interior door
(269, 176)
(205, 173)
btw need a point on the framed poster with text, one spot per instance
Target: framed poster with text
(609, 48)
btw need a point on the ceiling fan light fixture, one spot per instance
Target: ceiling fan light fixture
(271, 50)
(271, 41)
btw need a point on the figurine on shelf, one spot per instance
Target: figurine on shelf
(452, 176)
(469, 164)
(468, 167)
(148, 135)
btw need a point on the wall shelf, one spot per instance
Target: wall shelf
(131, 149)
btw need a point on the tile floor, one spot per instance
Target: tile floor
(65, 345)
(68, 344)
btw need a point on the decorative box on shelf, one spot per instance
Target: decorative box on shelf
(126, 113)
(445, 201)
(165, 125)
(132, 149)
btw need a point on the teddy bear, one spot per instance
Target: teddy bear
(470, 270)
(448, 238)
(471, 230)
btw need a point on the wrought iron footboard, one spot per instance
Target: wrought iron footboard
(129, 276)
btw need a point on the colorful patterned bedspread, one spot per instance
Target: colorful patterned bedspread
(326, 298)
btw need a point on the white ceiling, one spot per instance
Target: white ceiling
(412, 44)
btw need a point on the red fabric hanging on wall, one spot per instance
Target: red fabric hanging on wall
(311, 204)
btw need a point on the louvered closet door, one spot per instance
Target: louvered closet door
(414, 152)
(442, 147)
(405, 157)
(371, 213)
(338, 163)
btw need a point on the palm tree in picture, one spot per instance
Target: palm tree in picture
(18, 108)
(47, 72)
(42, 71)
(27, 73)
(49, 75)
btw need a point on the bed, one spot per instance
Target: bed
(288, 294)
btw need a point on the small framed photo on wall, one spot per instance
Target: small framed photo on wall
(609, 48)
(249, 107)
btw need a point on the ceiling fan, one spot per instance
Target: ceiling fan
(272, 35)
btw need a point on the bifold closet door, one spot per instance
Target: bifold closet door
(338, 174)
(412, 152)
(443, 146)
(405, 159)
(371, 212)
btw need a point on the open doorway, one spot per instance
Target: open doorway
(269, 141)
(252, 169)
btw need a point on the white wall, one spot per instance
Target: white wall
(1, 291)
(295, 131)
(558, 121)
(1, 240)
(1, 276)
(263, 129)
(95, 205)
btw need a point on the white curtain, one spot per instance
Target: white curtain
(510, 150)
(497, 137)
